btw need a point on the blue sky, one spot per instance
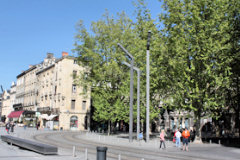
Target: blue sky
(29, 29)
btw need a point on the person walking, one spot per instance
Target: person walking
(185, 135)
(178, 138)
(38, 125)
(12, 125)
(162, 139)
(7, 126)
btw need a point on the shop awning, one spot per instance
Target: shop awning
(45, 116)
(51, 117)
(15, 114)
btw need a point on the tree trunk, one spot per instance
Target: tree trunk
(109, 127)
(238, 109)
(198, 136)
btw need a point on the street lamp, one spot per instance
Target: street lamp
(138, 97)
(131, 93)
(147, 87)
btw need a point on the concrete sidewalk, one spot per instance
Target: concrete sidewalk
(203, 151)
(8, 152)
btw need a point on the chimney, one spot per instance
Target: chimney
(64, 54)
(30, 66)
(49, 55)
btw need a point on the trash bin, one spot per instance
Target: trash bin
(101, 153)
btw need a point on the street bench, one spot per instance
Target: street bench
(30, 145)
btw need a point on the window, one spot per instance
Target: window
(85, 89)
(74, 74)
(84, 105)
(55, 90)
(74, 122)
(73, 104)
(74, 88)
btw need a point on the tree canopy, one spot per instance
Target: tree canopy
(194, 58)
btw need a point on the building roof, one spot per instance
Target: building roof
(35, 66)
(39, 72)
(24, 72)
(68, 57)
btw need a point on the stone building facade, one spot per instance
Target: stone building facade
(6, 102)
(1, 104)
(19, 92)
(46, 91)
(60, 98)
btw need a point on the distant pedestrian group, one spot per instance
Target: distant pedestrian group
(177, 139)
(10, 127)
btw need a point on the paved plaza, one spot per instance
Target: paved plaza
(151, 149)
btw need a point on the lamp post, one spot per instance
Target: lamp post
(138, 97)
(131, 93)
(147, 87)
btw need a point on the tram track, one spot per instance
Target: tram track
(69, 139)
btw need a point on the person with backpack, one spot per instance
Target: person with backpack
(185, 135)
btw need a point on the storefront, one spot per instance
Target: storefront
(29, 118)
(15, 116)
(73, 123)
(50, 122)
(25, 117)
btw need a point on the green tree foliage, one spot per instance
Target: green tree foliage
(98, 52)
(197, 63)
(194, 57)
(233, 92)
(107, 76)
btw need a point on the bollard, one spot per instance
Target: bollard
(101, 153)
(210, 141)
(74, 151)
(119, 157)
(86, 154)
(219, 141)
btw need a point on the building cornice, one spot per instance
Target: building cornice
(25, 72)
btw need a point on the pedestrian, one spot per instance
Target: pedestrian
(12, 126)
(185, 135)
(192, 135)
(174, 136)
(7, 126)
(178, 138)
(162, 139)
(38, 125)
(25, 126)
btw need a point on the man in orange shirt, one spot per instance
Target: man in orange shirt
(185, 135)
